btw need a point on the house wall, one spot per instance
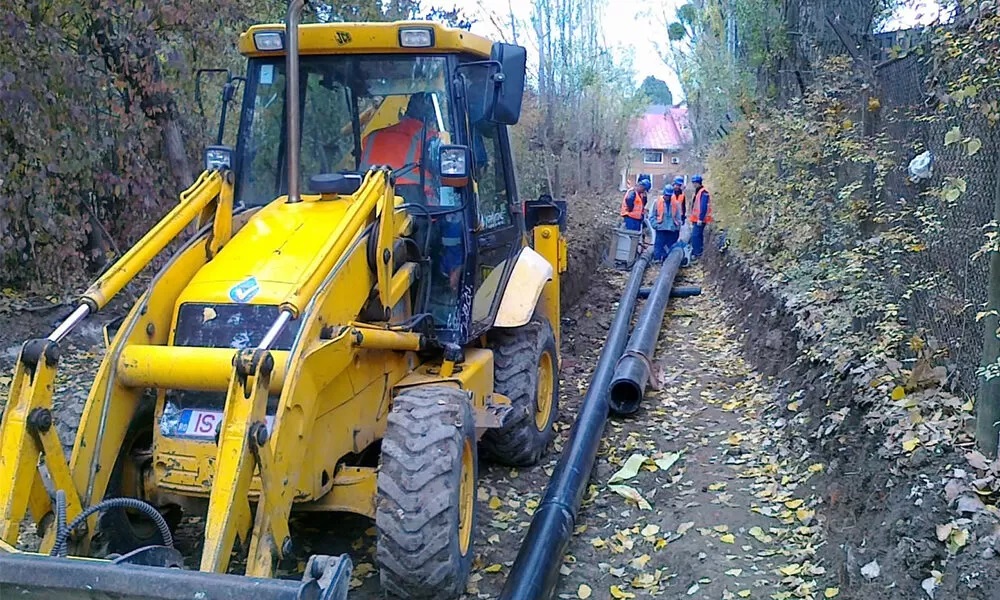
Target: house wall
(662, 174)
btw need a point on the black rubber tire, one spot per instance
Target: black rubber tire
(417, 516)
(517, 353)
(117, 532)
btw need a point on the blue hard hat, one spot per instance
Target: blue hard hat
(644, 183)
(678, 181)
(667, 190)
(696, 179)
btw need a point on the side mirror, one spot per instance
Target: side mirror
(218, 158)
(454, 161)
(508, 84)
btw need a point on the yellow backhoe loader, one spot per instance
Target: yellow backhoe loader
(350, 347)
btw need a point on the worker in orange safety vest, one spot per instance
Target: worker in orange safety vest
(410, 147)
(403, 146)
(633, 206)
(701, 215)
(668, 214)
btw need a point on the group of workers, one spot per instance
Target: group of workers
(667, 214)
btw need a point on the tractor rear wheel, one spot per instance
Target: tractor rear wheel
(426, 507)
(525, 369)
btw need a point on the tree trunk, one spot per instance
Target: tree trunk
(134, 61)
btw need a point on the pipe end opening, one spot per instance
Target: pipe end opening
(625, 397)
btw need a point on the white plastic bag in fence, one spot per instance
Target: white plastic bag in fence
(685, 235)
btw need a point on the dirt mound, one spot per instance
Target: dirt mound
(590, 219)
(884, 517)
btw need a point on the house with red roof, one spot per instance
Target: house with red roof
(660, 146)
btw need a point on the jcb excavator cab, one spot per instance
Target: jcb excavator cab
(438, 117)
(350, 347)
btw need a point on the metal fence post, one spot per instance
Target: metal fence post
(988, 398)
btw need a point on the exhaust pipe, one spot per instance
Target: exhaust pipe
(633, 370)
(293, 134)
(536, 569)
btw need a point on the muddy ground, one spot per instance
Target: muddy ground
(709, 492)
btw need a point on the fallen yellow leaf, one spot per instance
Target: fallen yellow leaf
(898, 393)
(495, 503)
(911, 444)
(743, 593)
(494, 568)
(640, 562)
(728, 539)
(831, 592)
(650, 530)
(618, 593)
(792, 569)
(793, 504)
(815, 467)
(584, 591)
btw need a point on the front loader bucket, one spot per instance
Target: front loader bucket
(36, 577)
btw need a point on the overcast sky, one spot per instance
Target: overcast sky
(628, 26)
(638, 25)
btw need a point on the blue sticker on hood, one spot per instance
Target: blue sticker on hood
(245, 290)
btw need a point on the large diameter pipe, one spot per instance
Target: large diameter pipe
(633, 370)
(681, 291)
(536, 568)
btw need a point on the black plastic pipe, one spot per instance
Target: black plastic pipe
(536, 569)
(682, 291)
(633, 370)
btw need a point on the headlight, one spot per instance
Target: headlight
(454, 162)
(268, 41)
(218, 158)
(416, 38)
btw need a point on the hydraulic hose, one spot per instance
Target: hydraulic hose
(62, 536)
(536, 569)
(634, 368)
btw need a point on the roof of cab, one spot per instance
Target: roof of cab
(367, 38)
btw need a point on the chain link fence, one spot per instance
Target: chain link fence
(941, 287)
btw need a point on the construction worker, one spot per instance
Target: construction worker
(409, 147)
(633, 205)
(701, 215)
(668, 215)
(403, 147)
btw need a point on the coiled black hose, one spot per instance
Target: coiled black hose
(57, 550)
(62, 534)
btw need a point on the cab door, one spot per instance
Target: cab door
(496, 235)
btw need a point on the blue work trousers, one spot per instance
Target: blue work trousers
(633, 224)
(698, 239)
(663, 242)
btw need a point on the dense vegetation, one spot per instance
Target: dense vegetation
(809, 126)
